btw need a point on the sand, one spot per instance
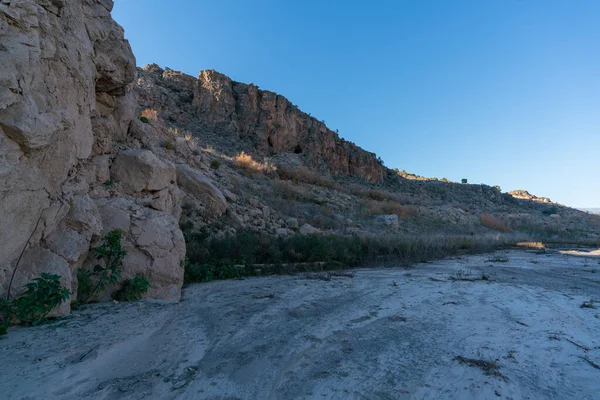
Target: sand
(391, 333)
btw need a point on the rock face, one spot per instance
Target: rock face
(525, 195)
(66, 98)
(268, 122)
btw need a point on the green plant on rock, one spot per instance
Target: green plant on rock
(108, 270)
(41, 296)
(215, 164)
(133, 289)
(144, 120)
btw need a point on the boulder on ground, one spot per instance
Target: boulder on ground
(390, 220)
(139, 170)
(307, 229)
(202, 188)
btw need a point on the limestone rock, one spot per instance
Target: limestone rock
(307, 229)
(390, 220)
(292, 223)
(154, 243)
(138, 170)
(200, 187)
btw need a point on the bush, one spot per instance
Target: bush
(215, 164)
(5, 316)
(149, 114)
(374, 207)
(133, 289)
(302, 174)
(167, 144)
(41, 296)
(145, 120)
(107, 272)
(215, 258)
(244, 161)
(491, 222)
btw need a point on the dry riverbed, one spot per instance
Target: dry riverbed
(435, 331)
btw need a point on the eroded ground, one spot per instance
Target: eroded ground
(435, 331)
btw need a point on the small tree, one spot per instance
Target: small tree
(41, 296)
(108, 270)
(464, 180)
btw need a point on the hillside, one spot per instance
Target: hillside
(306, 175)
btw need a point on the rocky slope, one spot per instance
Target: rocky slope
(315, 180)
(263, 122)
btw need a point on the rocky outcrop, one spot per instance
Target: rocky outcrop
(267, 122)
(67, 107)
(525, 195)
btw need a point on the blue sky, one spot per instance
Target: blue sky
(502, 92)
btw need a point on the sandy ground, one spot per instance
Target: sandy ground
(381, 334)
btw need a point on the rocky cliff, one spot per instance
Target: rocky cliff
(267, 122)
(66, 110)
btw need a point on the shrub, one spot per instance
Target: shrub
(107, 272)
(5, 316)
(216, 258)
(388, 207)
(41, 296)
(302, 174)
(497, 187)
(133, 289)
(376, 195)
(491, 222)
(149, 114)
(244, 161)
(215, 164)
(463, 180)
(167, 144)
(144, 120)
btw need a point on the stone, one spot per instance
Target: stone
(292, 223)
(284, 232)
(140, 170)
(68, 243)
(200, 187)
(83, 215)
(390, 220)
(308, 229)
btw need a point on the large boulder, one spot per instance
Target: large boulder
(200, 187)
(140, 170)
(154, 243)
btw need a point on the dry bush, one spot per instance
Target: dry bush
(388, 207)
(150, 114)
(287, 190)
(302, 174)
(247, 163)
(491, 222)
(532, 245)
(377, 195)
